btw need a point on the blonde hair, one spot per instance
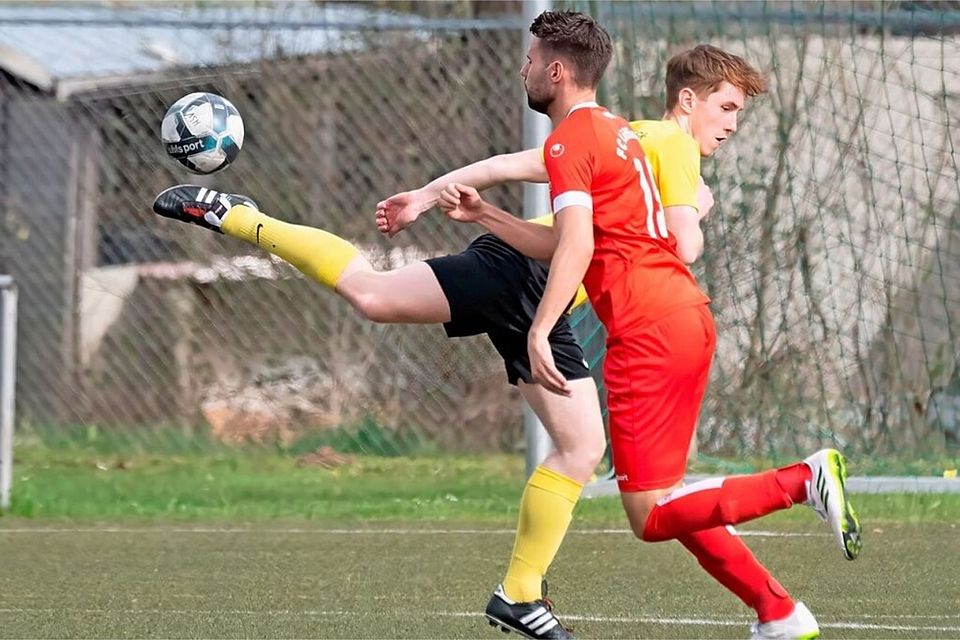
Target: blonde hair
(704, 68)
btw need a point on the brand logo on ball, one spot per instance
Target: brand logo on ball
(180, 148)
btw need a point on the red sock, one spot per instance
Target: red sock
(721, 501)
(726, 558)
(793, 480)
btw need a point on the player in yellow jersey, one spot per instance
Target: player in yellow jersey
(489, 288)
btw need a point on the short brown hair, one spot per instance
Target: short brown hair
(704, 68)
(580, 39)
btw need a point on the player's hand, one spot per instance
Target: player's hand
(401, 210)
(461, 203)
(704, 199)
(542, 367)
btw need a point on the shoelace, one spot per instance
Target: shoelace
(548, 604)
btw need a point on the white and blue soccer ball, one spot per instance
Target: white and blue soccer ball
(203, 132)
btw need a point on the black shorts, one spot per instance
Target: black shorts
(494, 289)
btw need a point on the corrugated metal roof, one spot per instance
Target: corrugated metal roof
(67, 48)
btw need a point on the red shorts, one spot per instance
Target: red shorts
(656, 377)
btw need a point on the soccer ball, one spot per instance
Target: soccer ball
(203, 132)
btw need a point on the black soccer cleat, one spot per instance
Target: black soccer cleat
(198, 205)
(529, 619)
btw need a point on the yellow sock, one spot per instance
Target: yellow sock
(319, 255)
(545, 513)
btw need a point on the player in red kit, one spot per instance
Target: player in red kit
(611, 231)
(635, 279)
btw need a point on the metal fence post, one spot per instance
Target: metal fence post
(536, 202)
(8, 360)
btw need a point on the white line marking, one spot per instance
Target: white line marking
(640, 619)
(781, 534)
(271, 530)
(910, 616)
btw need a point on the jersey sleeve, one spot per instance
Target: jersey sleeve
(675, 162)
(570, 162)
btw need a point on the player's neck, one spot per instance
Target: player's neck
(562, 106)
(682, 121)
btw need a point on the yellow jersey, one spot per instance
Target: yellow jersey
(674, 158)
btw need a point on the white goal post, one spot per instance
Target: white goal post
(8, 361)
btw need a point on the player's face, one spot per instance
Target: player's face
(714, 118)
(536, 82)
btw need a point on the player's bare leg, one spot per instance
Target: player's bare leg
(575, 426)
(408, 295)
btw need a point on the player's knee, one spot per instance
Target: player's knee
(638, 524)
(584, 462)
(638, 531)
(373, 307)
(638, 508)
(580, 462)
(589, 453)
(595, 450)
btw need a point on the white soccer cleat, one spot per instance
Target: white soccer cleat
(799, 625)
(827, 495)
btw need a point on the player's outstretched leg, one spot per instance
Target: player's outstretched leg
(321, 256)
(827, 496)
(529, 619)
(410, 294)
(818, 482)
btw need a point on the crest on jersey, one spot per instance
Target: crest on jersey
(556, 150)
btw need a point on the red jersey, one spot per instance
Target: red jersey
(594, 159)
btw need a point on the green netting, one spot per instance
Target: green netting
(831, 255)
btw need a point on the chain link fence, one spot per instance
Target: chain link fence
(831, 257)
(831, 253)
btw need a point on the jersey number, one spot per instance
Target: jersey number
(656, 222)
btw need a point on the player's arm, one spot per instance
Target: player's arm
(572, 172)
(678, 180)
(520, 234)
(462, 203)
(574, 230)
(522, 166)
(532, 239)
(684, 223)
(401, 210)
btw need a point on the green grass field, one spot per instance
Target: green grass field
(431, 580)
(249, 544)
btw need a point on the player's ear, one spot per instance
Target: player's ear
(555, 71)
(687, 100)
